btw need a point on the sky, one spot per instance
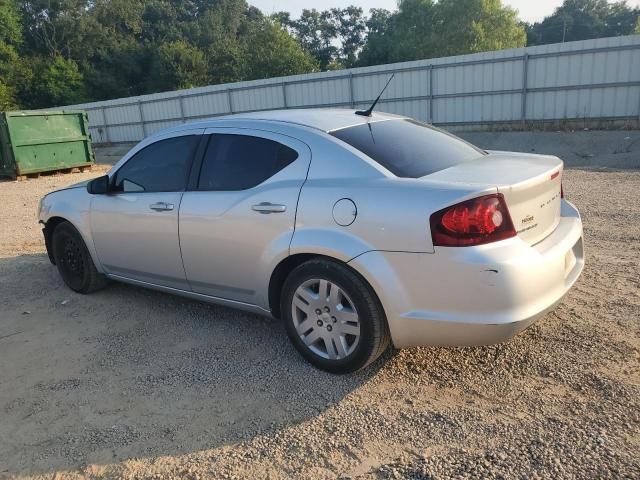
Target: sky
(530, 10)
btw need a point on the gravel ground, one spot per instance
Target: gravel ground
(128, 383)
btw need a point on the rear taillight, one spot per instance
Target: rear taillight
(473, 222)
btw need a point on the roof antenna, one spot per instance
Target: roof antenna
(367, 113)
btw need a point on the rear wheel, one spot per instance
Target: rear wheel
(333, 317)
(74, 261)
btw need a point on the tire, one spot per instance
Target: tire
(341, 331)
(74, 260)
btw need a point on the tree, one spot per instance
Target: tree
(72, 50)
(7, 100)
(350, 28)
(10, 65)
(221, 32)
(425, 29)
(54, 27)
(56, 81)
(469, 26)
(315, 31)
(334, 37)
(377, 47)
(10, 27)
(176, 65)
(275, 53)
(584, 19)
(114, 60)
(61, 51)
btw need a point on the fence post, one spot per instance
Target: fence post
(181, 103)
(351, 95)
(431, 94)
(525, 67)
(284, 94)
(229, 101)
(142, 121)
(106, 125)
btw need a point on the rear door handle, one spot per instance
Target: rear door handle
(266, 207)
(161, 206)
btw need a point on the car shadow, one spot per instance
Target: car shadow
(128, 372)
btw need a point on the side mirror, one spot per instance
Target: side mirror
(99, 186)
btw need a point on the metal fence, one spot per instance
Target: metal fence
(585, 80)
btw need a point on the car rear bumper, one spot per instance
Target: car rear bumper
(475, 295)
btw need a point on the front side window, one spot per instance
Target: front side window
(160, 167)
(408, 148)
(240, 162)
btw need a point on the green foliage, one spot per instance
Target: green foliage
(10, 39)
(333, 36)
(7, 97)
(584, 19)
(177, 65)
(100, 49)
(468, 26)
(55, 81)
(273, 52)
(56, 52)
(10, 26)
(425, 29)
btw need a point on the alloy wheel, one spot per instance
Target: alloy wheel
(326, 319)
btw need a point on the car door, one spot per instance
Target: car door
(241, 215)
(135, 226)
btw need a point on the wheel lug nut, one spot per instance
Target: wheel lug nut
(320, 323)
(329, 328)
(318, 311)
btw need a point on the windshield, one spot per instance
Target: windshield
(408, 148)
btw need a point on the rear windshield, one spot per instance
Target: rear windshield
(408, 148)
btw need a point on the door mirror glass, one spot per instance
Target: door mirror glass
(99, 186)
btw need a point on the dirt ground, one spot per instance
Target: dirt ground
(129, 383)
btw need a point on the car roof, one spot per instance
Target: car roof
(324, 119)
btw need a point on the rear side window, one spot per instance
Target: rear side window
(240, 162)
(160, 167)
(408, 148)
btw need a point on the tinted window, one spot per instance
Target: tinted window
(239, 162)
(408, 148)
(161, 167)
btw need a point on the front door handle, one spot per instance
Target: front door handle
(266, 207)
(161, 206)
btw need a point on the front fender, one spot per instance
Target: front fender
(72, 205)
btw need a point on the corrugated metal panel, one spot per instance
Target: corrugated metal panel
(212, 104)
(321, 92)
(154, 127)
(261, 98)
(169, 108)
(129, 133)
(122, 114)
(586, 79)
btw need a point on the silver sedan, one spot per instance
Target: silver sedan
(357, 231)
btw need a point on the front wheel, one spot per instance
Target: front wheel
(333, 317)
(74, 261)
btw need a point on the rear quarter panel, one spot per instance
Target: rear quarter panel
(392, 214)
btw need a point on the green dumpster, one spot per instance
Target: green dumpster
(35, 142)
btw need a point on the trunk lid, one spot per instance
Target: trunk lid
(530, 185)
